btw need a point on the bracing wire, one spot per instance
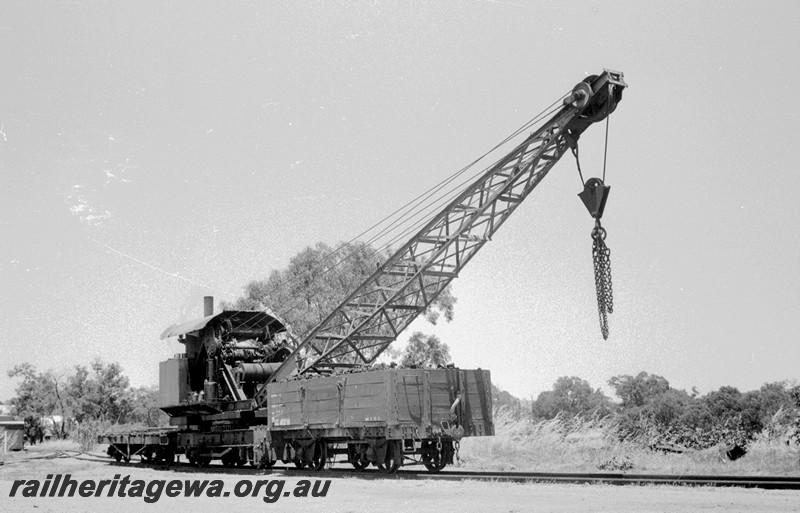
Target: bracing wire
(419, 208)
(423, 210)
(418, 204)
(605, 150)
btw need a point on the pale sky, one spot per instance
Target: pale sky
(155, 152)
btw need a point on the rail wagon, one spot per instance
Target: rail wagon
(389, 416)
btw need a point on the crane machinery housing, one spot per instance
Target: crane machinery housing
(247, 391)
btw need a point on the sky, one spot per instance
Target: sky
(152, 153)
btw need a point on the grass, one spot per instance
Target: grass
(54, 446)
(592, 445)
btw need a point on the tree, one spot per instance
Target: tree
(570, 396)
(669, 407)
(33, 429)
(637, 391)
(40, 395)
(725, 402)
(697, 416)
(425, 351)
(144, 408)
(317, 280)
(98, 393)
(503, 400)
(101, 395)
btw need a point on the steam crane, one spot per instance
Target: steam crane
(373, 315)
(245, 390)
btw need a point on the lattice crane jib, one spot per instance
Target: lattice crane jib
(405, 285)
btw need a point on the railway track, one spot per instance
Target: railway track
(763, 482)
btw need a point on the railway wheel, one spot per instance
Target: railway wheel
(169, 456)
(242, 456)
(118, 456)
(433, 456)
(354, 456)
(193, 455)
(394, 457)
(320, 456)
(232, 459)
(148, 455)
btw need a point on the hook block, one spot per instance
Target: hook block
(594, 196)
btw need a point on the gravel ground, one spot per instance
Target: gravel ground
(352, 494)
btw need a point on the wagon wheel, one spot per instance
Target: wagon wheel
(354, 456)
(231, 459)
(394, 457)
(433, 458)
(193, 455)
(150, 454)
(320, 456)
(169, 457)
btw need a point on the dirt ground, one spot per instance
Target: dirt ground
(354, 494)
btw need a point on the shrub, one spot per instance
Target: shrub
(85, 434)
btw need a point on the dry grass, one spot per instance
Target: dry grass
(50, 446)
(592, 445)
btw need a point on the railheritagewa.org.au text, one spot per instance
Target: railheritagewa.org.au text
(152, 490)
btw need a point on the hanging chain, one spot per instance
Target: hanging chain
(594, 196)
(602, 276)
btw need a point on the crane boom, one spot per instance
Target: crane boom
(405, 285)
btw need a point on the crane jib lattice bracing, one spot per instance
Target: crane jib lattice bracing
(372, 317)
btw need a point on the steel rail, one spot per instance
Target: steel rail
(609, 478)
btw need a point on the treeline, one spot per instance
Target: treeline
(60, 404)
(651, 409)
(65, 405)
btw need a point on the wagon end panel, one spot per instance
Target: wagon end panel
(463, 397)
(476, 402)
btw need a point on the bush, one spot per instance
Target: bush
(87, 432)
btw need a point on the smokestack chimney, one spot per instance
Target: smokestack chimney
(208, 306)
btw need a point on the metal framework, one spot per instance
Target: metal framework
(374, 314)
